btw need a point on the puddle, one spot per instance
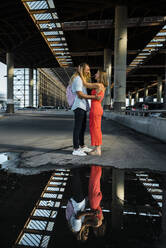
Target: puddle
(131, 203)
(3, 157)
(127, 209)
(9, 160)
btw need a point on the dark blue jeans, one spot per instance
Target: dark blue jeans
(77, 190)
(79, 127)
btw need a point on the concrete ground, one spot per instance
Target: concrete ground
(44, 141)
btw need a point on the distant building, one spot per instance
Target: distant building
(2, 101)
(47, 89)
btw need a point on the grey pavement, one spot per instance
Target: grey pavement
(44, 141)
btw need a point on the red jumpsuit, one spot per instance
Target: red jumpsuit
(95, 116)
(94, 194)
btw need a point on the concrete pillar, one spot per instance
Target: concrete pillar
(164, 95)
(24, 87)
(40, 82)
(162, 240)
(10, 75)
(117, 198)
(146, 92)
(164, 212)
(108, 69)
(159, 88)
(130, 98)
(31, 87)
(36, 79)
(120, 55)
(137, 96)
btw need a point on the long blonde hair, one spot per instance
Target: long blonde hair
(103, 78)
(82, 67)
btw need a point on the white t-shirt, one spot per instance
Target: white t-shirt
(77, 85)
(75, 223)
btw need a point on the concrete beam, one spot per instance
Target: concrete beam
(151, 66)
(143, 89)
(107, 24)
(84, 54)
(101, 53)
(143, 75)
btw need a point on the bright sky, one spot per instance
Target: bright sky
(3, 81)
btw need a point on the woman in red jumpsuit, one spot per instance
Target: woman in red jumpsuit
(95, 194)
(96, 110)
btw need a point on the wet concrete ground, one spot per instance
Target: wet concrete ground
(44, 141)
(18, 195)
(142, 219)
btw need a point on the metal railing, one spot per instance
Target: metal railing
(146, 112)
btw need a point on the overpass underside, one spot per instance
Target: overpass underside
(125, 39)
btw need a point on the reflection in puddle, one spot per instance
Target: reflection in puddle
(9, 160)
(108, 207)
(101, 207)
(3, 157)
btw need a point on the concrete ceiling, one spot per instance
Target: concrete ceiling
(88, 29)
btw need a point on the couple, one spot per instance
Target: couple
(78, 217)
(80, 82)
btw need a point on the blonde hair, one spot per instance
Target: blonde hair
(103, 78)
(87, 77)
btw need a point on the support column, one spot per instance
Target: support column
(120, 58)
(164, 95)
(137, 96)
(40, 91)
(24, 87)
(108, 69)
(159, 88)
(146, 92)
(117, 198)
(31, 87)
(36, 79)
(130, 98)
(10, 75)
(162, 240)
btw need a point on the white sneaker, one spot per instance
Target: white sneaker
(86, 149)
(79, 152)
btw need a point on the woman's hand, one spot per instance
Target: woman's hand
(96, 212)
(97, 97)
